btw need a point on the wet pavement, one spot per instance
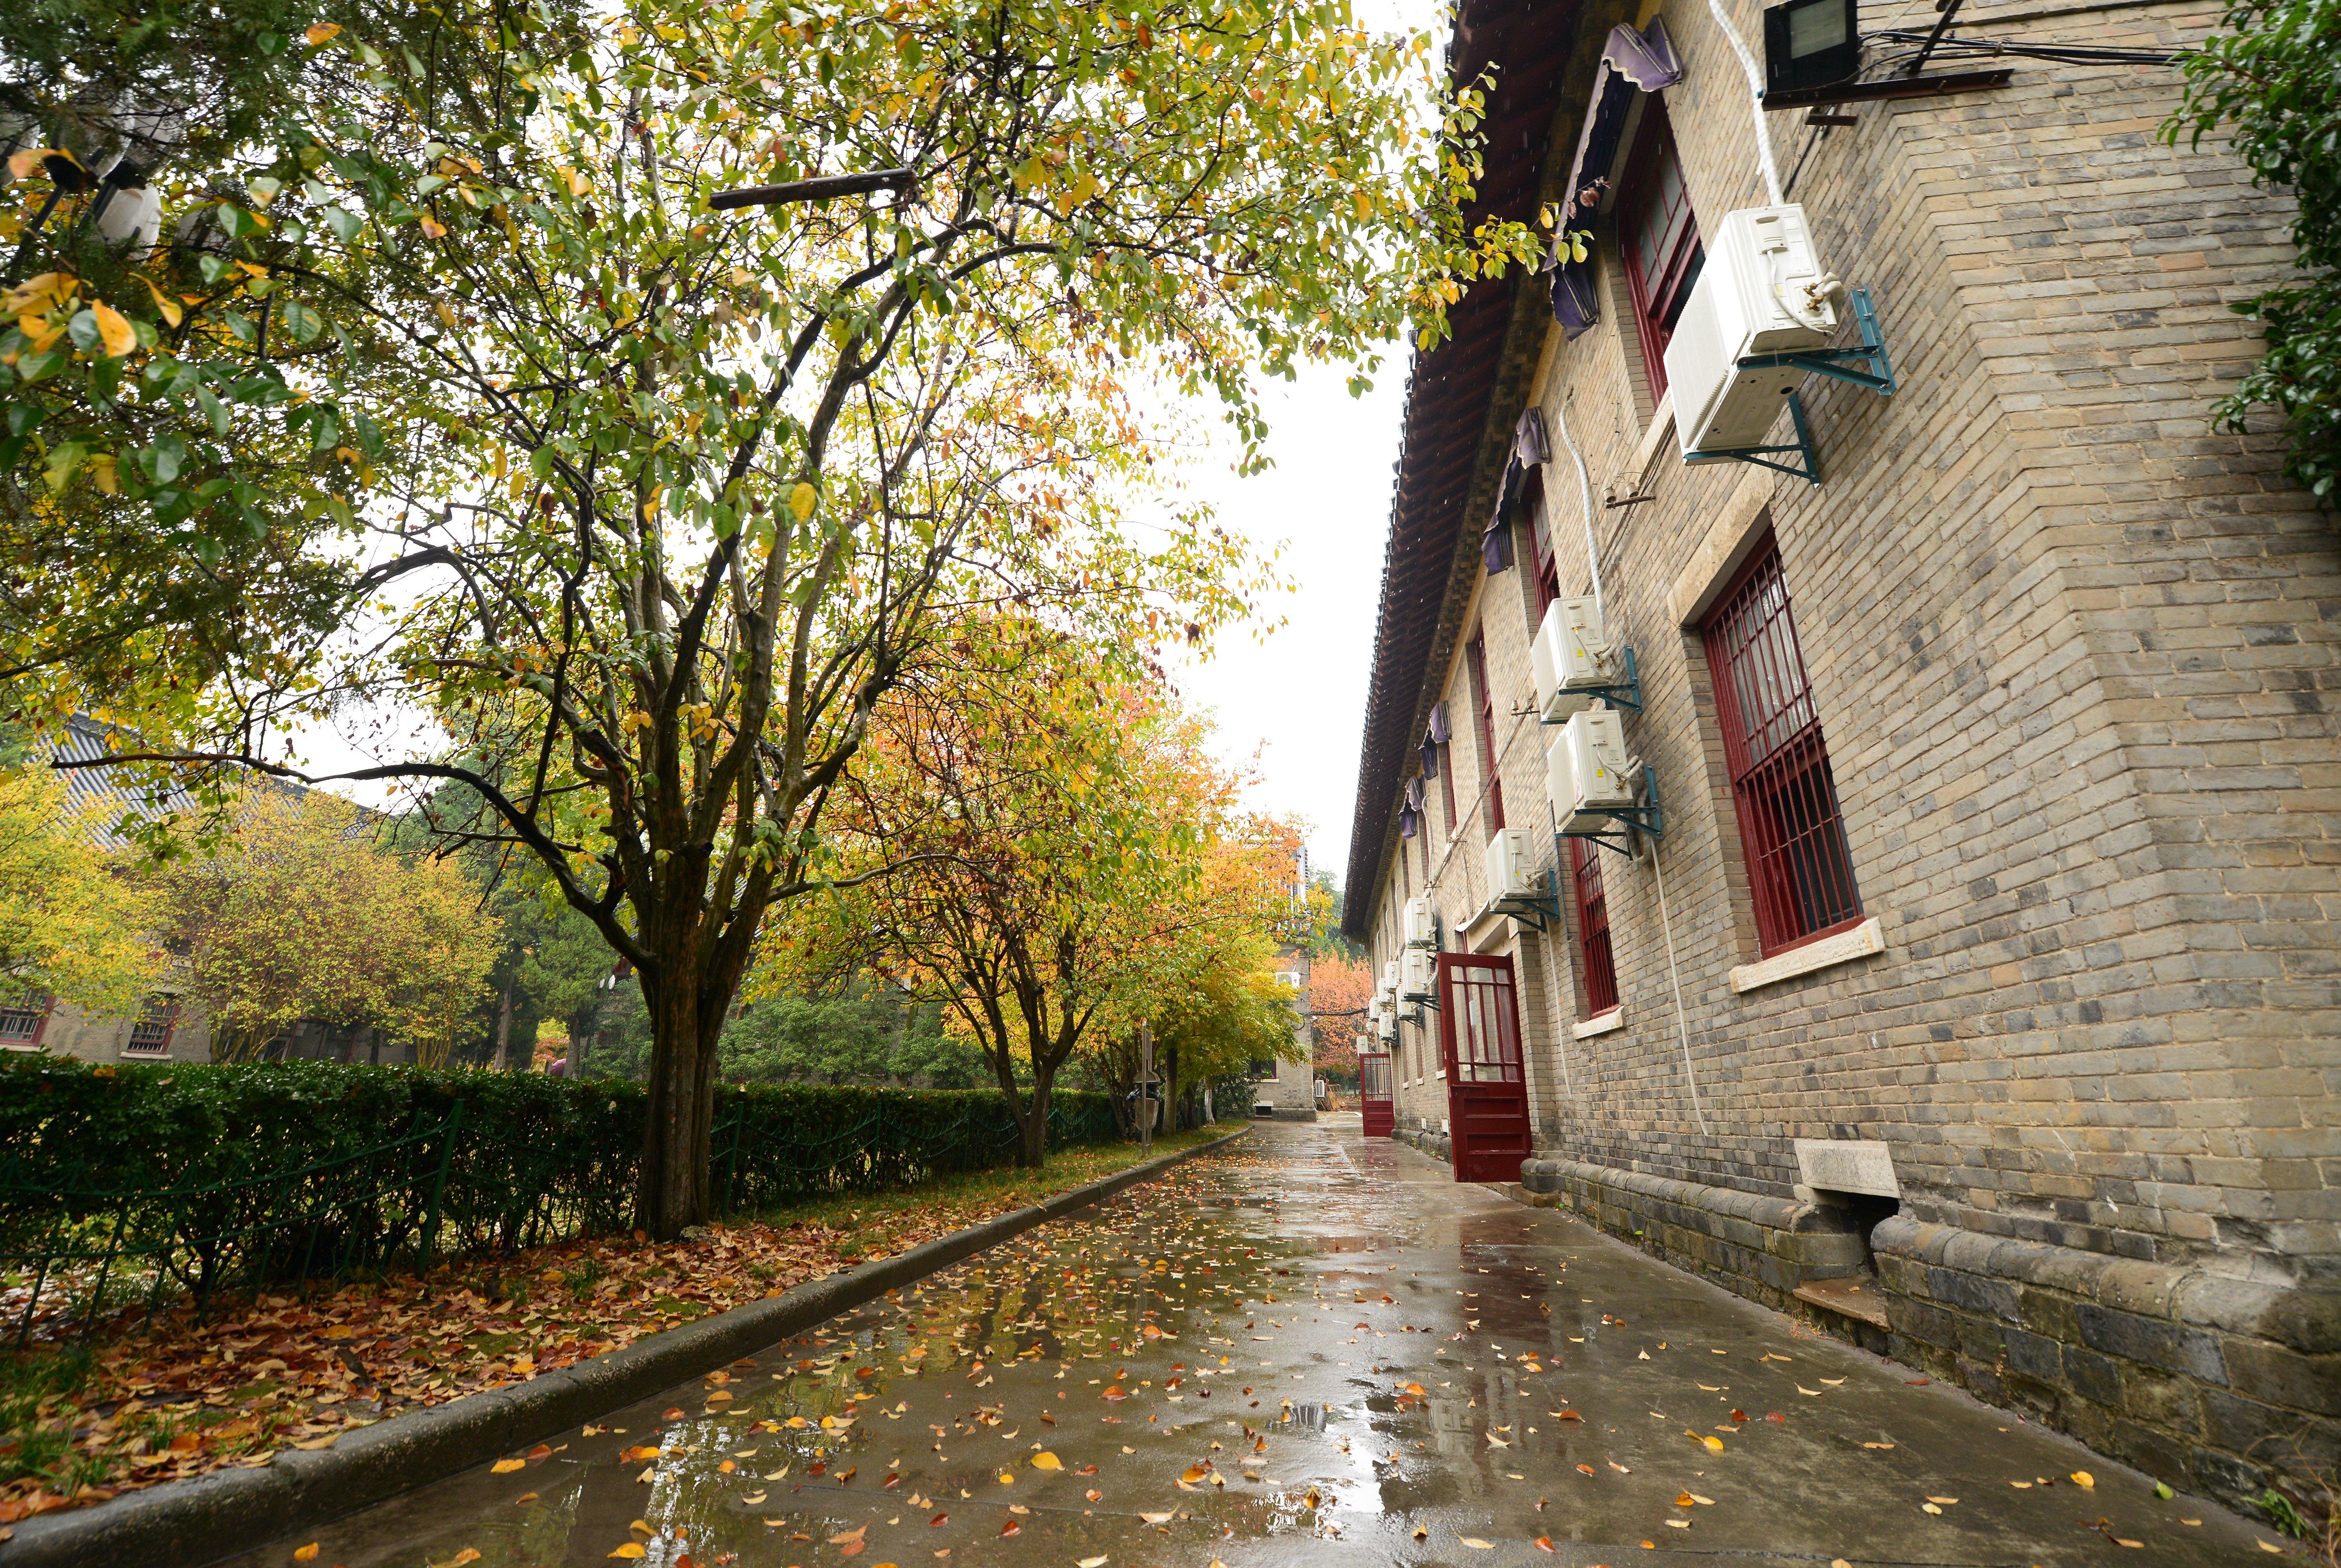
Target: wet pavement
(1317, 1348)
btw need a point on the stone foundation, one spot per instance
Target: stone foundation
(1760, 1247)
(2215, 1385)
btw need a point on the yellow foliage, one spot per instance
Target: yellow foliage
(71, 924)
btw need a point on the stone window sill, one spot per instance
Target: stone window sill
(1856, 942)
(1600, 1024)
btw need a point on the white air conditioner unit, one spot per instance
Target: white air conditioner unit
(133, 218)
(1288, 977)
(1417, 975)
(1587, 770)
(1421, 924)
(1760, 291)
(1509, 875)
(1569, 654)
(1387, 1028)
(1388, 991)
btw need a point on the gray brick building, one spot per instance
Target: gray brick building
(1980, 997)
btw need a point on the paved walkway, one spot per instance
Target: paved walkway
(1320, 1350)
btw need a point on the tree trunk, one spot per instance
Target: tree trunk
(1034, 1152)
(505, 1018)
(672, 1192)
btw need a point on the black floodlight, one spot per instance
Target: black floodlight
(1810, 43)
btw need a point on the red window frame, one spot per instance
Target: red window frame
(1799, 867)
(1659, 233)
(1547, 575)
(23, 1024)
(162, 1011)
(1487, 699)
(1595, 955)
(1479, 1019)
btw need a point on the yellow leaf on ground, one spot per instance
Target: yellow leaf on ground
(1044, 1460)
(631, 1549)
(305, 1553)
(1477, 1545)
(2082, 1478)
(506, 1466)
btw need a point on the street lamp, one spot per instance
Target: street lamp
(815, 189)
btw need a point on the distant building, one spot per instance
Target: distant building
(172, 1024)
(1290, 1094)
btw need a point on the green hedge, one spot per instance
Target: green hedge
(174, 1176)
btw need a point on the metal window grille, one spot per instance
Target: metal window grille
(21, 1025)
(1482, 1036)
(152, 1032)
(1487, 696)
(1595, 957)
(1663, 255)
(1547, 563)
(1799, 872)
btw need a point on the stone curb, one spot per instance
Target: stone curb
(207, 1517)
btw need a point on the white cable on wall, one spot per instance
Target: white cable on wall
(1682, 1025)
(1756, 97)
(1585, 497)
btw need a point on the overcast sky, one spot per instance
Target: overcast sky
(1295, 699)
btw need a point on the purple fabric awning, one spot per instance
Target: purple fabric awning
(1414, 794)
(1439, 734)
(1407, 822)
(1631, 62)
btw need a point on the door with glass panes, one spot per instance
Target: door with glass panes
(1479, 1041)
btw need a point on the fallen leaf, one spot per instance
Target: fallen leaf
(1044, 1460)
(1012, 1528)
(1833, 1382)
(2162, 1491)
(524, 1499)
(468, 1554)
(1156, 1518)
(850, 1538)
(1477, 1545)
(1929, 1508)
(2084, 1479)
(629, 1550)
(1946, 1502)
(1542, 1543)
(1814, 1392)
(1097, 1561)
(506, 1466)
(305, 1553)
(1195, 1472)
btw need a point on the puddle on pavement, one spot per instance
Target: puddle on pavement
(1176, 1377)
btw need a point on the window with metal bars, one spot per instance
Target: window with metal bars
(23, 1021)
(1486, 695)
(1594, 957)
(1659, 235)
(1546, 574)
(151, 1034)
(1799, 871)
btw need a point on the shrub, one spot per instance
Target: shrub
(187, 1178)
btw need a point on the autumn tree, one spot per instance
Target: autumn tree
(304, 914)
(703, 365)
(72, 924)
(1339, 986)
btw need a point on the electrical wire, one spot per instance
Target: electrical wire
(1951, 46)
(1682, 1023)
(1756, 99)
(1584, 496)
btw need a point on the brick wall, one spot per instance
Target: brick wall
(2076, 659)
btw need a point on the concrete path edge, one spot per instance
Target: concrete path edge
(207, 1517)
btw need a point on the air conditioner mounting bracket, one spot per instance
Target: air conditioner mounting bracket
(1535, 909)
(1646, 817)
(1627, 693)
(1876, 374)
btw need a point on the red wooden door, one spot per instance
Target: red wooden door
(1487, 1092)
(1374, 1094)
